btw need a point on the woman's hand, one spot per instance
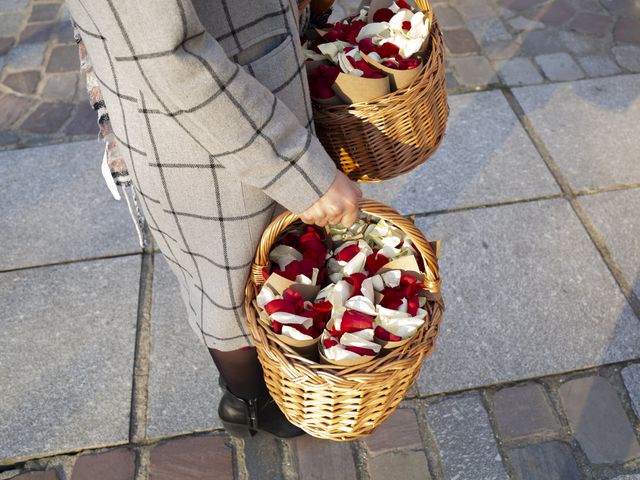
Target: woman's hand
(338, 205)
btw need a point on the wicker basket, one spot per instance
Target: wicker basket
(393, 134)
(342, 403)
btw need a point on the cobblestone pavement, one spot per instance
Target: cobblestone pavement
(534, 193)
(489, 43)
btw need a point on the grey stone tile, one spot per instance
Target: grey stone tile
(10, 24)
(66, 354)
(628, 56)
(631, 377)
(489, 30)
(519, 71)
(318, 459)
(486, 157)
(183, 381)
(580, 44)
(598, 66)
(522, 23)
(26, 55)
(544, 461)
(463, 433)
(589, 128)
(11, 5)
(473, 71)
(559, 67)
(527, 295)
(262, 457)
(598, 420)
(633, 476)
(524, 410)
(407, 465)
(58, 207)
(614, 214)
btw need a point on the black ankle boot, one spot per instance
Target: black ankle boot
(244, 418)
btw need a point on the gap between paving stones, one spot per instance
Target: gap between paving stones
(625, 285)
(141, 358)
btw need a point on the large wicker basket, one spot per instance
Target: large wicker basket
(393, 134)
(342, 403)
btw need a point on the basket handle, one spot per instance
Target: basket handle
(370, 207)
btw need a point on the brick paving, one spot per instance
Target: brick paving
(578, 425)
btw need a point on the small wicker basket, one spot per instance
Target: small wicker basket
(393, 134)
(342, 403)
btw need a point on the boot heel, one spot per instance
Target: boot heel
(239, 431)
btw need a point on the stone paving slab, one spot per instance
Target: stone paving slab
(598, 420)
(589, 127)
(486, 157)
(183, 381)
(66, 356)
(57, 207)
(527, 295)
(463, 433)
(615, 215)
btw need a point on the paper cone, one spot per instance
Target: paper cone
(343, 363)
(353, 89)
(279, 284)
(397, 78)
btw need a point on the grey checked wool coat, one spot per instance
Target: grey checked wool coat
(210, 105)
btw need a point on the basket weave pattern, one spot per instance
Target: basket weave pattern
(329, 401)
(393, 134)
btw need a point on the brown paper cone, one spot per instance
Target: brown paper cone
(397, 78)
(279, 284)
(353, 89)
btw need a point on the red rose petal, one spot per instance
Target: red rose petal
(375, 262)
(367, 46)
(385, 335)
(265, 272)
(403, 4)
(406, 25)
(353, 321)
(277, 327)
(279, 305)
(382, 15)
(413, 304)
(329, 342)
(347, 253)
(324, 306)
(356, 280)
(388, 50)
(360, 350)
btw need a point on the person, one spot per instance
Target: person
(206, 113)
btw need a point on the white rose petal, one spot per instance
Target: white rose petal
(391, 278)
(351, 340)
(366, 334)
(361, 304)
(356, 264)
(368, 289)
(265, 296)
(295, 334)
(373, 29)
(283, 255)
(403, 15)
(303, 279)
(378, 283)
(291, 318)
(338, 353)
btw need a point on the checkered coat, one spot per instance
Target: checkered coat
(210, 105)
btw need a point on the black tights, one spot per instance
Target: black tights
(241, 371)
